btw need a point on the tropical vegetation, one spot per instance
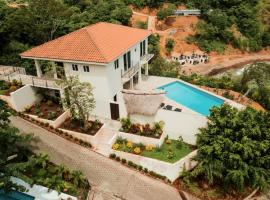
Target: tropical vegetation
(234, 150)
(18, 160)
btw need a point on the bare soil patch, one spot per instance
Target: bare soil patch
(75, 125)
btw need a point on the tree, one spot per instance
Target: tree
(234, 149)
(165, 12)
(78, 98)
(169, 45)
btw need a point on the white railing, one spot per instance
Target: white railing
(146, 58)
(131, 71)
(17, 73)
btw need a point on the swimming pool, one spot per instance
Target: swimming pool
(14, 195)
(191, 97)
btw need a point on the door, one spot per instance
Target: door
(114, 111)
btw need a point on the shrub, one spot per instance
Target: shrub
(149, 148)
(168, 141)
(52, 115)
(145, 170)
(113, 155)
(121, 140)
(49, 103)
(129, 144)
(130, 163)
(13, 88)
(123, 160)
(115, 146)
(140, 168)
(137, 150)
(126, 124)
(117, 158)
(180, 142)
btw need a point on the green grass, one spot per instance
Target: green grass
(162, 152)
(2, 92)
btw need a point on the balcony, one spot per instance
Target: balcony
(126, 76)
(145, 59)
(9, 74)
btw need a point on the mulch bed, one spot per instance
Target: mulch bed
(76, 126)
(45, 110)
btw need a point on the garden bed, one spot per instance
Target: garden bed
(146, 130)
(8, 87)
(76, 126)
(46, 110)
(170, 151)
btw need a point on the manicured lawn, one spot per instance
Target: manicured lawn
(167, 152)
(162, 153)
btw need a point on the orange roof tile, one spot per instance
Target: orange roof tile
(101, 42)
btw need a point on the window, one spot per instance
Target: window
(127, 61)
(115, 98)
(116, 64)
(142, 48)
(86, 68)
(74, 67)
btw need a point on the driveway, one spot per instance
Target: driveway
(110, 180)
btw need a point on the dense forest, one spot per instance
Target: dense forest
(245, 24)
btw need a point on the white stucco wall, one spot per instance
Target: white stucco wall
(171, 170)
(24, 97)
(106, 80)
(176, 123)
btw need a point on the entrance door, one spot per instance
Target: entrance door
(114, 111)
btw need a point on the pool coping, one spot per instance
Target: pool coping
(228, 101)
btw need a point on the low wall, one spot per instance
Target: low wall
(171, 170)
(181, 124)
(23, 98)
(140, 139)
(54, 123)
(92, 139)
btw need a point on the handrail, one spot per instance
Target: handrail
(131, 71)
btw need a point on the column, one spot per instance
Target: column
(146, 69)
(54, 69)
(131, 84)
(39, 72)
(140, 74)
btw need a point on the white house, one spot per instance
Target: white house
(109, 56)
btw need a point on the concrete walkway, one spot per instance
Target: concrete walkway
(110, 180)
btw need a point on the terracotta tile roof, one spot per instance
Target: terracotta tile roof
(101, 42)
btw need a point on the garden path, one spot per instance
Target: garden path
(111, 180)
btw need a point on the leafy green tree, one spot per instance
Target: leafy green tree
(234, 149)
(169, 45)
(165, 12)
(79, 99)
(161, 67)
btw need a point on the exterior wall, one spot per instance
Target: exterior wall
(171, 170)
(106, 81)
(176, 123)
(140, 139)
(54, 123)
(23, 98)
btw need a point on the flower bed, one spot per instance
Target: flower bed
(76, 126)
(170, 151)
(146, 130)
(46, 110)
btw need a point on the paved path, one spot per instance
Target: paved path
(110, 179)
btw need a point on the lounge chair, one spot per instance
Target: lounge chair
(178, 110)
(162, 105)
(168, 107)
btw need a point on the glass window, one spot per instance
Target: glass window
(74, 67)
(86, 68)
(116, 64)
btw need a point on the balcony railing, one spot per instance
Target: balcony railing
(145, 59)
(10, 73)
(131, 71)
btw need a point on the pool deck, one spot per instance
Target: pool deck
(153, 82)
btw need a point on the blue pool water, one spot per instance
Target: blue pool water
(14, 195)
(191, 97)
